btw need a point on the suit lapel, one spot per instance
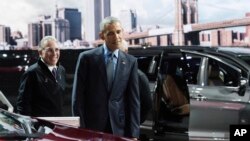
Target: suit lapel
(46, 70)
(99, 58)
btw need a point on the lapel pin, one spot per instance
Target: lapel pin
(123, 62)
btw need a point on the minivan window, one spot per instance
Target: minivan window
(193, 65)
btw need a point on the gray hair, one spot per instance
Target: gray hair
(108, 20)
(45, 41)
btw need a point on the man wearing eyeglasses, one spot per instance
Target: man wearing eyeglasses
(42, 86)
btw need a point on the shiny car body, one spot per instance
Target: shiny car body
(19, 127)
(187, 104)
(210, 109)
(239, 52)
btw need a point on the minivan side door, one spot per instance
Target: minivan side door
(214, 106)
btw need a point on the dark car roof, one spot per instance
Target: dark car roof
(239, 51)
(235, 54)
(243, 53)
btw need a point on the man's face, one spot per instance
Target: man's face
(50, 53)
(113, 36)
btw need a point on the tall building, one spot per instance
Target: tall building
(46, 28)
(4, 34)
(57, 27)
(75, 21)
(95, 11)
(129, 20)
(7, 34)
(60, 29)
(34, 34)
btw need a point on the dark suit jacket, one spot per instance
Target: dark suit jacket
(40, 94)
(95, 105)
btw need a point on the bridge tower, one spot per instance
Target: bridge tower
(247, 38)
(178, 34)
(190, 11)
(186, 12)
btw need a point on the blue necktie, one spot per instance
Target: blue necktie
(110, 70)
(54, 72)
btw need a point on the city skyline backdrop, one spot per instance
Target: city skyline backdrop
(18, 13)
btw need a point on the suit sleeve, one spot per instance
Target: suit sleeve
(23, 105)
(134, 103)
(78, 91)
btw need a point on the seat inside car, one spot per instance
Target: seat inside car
(214, 76)
(173, 99)
(173, 94)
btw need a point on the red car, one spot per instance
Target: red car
(18, 127)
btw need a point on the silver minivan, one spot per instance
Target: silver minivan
(198, 92)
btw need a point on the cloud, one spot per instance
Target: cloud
(216, 10)
(18, 13)
(15, 15)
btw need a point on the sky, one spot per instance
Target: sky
(18, 13)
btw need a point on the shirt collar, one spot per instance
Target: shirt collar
(106, 51)
(49, 67)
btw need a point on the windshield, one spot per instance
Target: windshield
(9, 125)
(19, 127)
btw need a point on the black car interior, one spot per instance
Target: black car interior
(172, 97)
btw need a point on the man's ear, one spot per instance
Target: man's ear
(40, 53)
(101, 35)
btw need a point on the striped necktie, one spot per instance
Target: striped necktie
(54, 72)
(110, 70)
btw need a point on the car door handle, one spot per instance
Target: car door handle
(200, 97)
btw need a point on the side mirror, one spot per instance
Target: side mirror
(242, 89)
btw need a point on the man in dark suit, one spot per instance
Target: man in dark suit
(42, 85)
(112, 107)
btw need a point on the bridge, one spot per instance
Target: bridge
(217, 25)
(185, 32)
(189, 28)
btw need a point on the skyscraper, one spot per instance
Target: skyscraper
(34, 34)
(60, 29)
(95, 11)
(57, 27)
(75, 21)
(4, 34)
(129, 20)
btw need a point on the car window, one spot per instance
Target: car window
(183, 67)
(149, 66)
(215, 70)
(220, 74)
(193, 63)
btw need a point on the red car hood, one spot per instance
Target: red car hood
(64, 133)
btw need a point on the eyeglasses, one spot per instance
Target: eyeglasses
(50, 50)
